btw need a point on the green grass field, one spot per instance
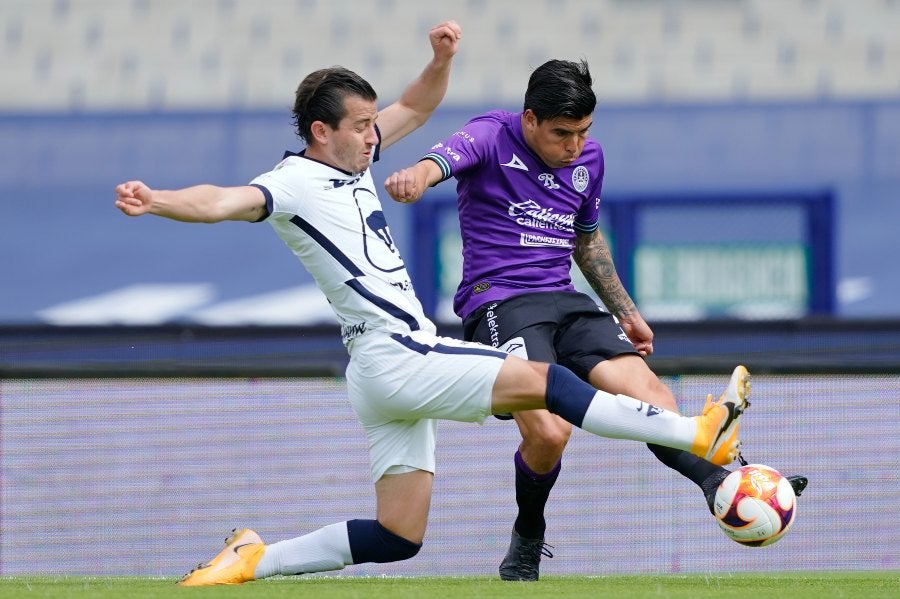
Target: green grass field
(803, 585)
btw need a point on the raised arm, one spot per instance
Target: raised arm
(198, 204)
(593, 257)
(424, 93)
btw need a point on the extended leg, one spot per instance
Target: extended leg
(630, 375)
(403, 503)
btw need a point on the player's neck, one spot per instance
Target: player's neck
(317, 154)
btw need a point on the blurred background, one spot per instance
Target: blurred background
(699, 99)
(752, 198)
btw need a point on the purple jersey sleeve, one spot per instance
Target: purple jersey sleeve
(518, 217)
(467, 148)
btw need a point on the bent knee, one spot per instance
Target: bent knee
(659, 395)
(392, 547)
(551, 442)
(395, 552)
(372, 542)
(550, 433)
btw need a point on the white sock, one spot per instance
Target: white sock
(623, 417)
(325, 549)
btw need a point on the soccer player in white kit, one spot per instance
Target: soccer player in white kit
(401, 377)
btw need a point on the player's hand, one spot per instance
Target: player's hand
(133, 198)
(639, 333)
(444, 39)
(404, 186)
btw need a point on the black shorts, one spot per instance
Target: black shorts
(561, 327)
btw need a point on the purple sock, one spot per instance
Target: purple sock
(532, 492)
(522, 467)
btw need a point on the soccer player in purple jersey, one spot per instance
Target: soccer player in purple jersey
(528, 187)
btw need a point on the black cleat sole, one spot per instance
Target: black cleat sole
(798, 483)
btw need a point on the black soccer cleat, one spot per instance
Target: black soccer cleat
(798, 483)
(523, 559)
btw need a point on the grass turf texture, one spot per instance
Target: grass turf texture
(801, 585)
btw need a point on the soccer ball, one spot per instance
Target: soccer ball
(755, 505)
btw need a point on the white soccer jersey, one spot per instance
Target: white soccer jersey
(333, 222)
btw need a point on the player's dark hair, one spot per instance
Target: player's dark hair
(320, 97)
(560, 88)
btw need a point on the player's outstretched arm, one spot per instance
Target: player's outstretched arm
(198, 204)
(593, 257)
(424, 93)
(409, 184)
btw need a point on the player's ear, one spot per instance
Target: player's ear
(529, 119)
(319, 131)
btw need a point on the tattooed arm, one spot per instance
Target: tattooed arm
(593, 257)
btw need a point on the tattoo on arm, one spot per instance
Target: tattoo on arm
(593, 257)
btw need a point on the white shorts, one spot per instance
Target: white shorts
(400, 385)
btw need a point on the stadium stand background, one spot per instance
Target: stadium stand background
(695, 96)
(99, 453)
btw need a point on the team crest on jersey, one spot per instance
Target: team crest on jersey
(380, 249)
(580, 178)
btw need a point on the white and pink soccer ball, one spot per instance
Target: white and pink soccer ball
(755, 505)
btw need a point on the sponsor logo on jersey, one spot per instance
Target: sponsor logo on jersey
(337, 183)
(403, 285)
(537, 240)
(580, 178)
(491, 319)
(515, 162)
(465, 135)
(548, 180)
(517, 208)
(531, 214)
(452, 153)
(349, 331)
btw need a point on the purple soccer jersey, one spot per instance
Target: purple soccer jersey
(518, 217)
